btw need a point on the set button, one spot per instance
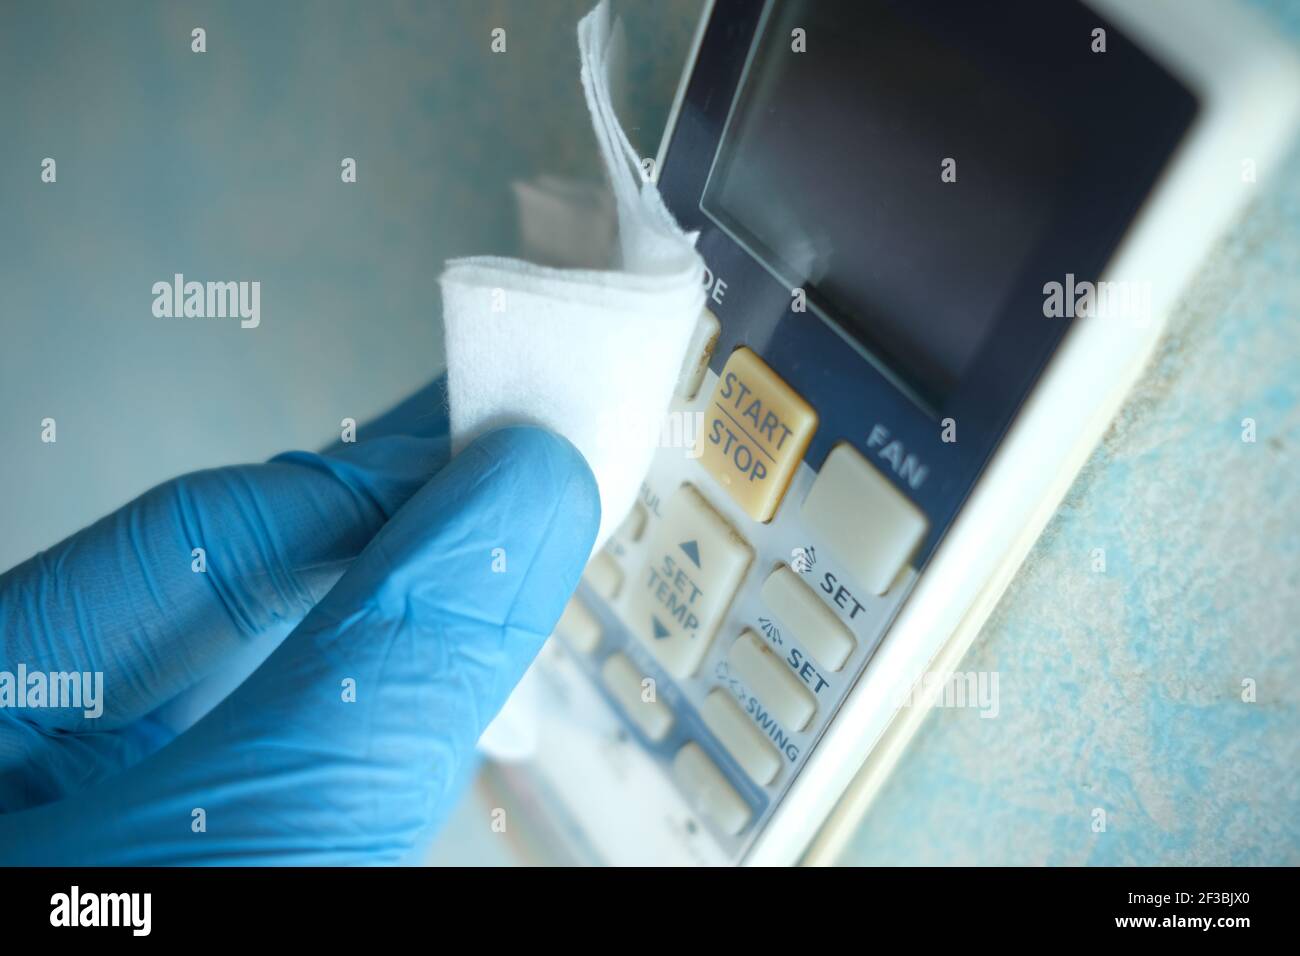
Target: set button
(811, 621)
(867, 523)
(769, 679)
(695, 562)
(756, 429)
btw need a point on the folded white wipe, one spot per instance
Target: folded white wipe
(593, 355)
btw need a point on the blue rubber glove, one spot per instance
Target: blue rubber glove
(423, 590)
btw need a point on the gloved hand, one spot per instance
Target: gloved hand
(423, 590)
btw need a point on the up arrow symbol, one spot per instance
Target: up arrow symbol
(692, 549)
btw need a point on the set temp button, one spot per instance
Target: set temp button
(695, 562)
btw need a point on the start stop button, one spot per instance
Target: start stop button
(756, 429)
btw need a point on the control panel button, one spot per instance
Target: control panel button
(808, 617)
(745, 742)
(578, 627)
(624, 681)
(604, 576)
(695, 561)
(633, 525)
(698, 353)
(709, 791)
(863, 519)
(777, 687)
(756, 429)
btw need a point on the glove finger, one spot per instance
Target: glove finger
(345, 744)
(132, 599)
(423, 414)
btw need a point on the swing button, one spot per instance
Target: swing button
(756, 429)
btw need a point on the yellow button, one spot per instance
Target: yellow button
(756, 429)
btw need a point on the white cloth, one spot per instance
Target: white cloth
(593, 355)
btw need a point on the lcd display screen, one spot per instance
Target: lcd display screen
(887, 161)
